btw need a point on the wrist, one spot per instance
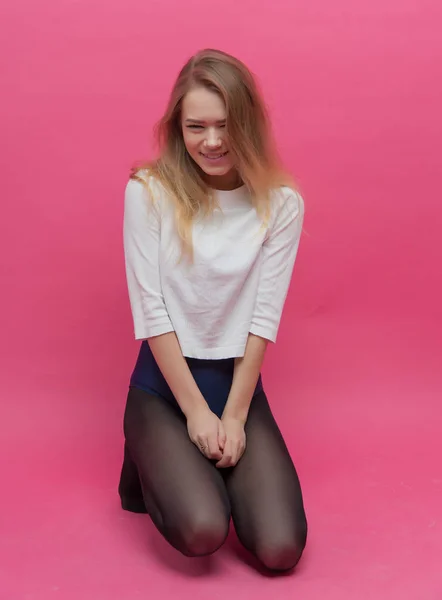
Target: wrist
(192, 405)
(240, 416)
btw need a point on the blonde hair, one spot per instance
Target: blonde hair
(249, 137)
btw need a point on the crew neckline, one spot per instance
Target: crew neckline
(237, 189)
(231, 198)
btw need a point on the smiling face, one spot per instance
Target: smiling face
(203, 122)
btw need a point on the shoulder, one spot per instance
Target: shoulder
(287, 200)
(144, 181)
(144, 189)
(290, 196)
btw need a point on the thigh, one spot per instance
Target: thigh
(180, 486)
(264, 489)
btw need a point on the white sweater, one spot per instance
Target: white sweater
(239, 278)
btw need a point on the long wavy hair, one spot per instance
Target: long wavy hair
(248, 133)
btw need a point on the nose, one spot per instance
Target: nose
(213, 139)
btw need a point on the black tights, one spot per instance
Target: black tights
(190, 501)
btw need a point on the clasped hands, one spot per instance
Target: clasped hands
(222, 440)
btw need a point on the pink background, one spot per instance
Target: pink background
(355, 90)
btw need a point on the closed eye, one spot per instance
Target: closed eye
(194, 126)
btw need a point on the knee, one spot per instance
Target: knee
(283, 554)
(204, 536)
(282, 557)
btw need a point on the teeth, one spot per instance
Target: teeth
(214, 157)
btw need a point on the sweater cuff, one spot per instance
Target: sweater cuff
(144, 331)
(265, 332)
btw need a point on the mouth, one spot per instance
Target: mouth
(214, 157)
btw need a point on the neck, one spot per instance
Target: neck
(229, 181)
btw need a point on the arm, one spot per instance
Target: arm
(141, 236)
(151, 319)
(279, 253)
(245, 377)
(168, 356)
(278, 258)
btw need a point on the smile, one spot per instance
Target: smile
(214, 156)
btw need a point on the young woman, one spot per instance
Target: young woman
(211, 233)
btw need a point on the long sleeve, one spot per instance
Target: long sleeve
(141, 234)
(277, 261)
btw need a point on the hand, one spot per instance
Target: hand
(206, 431)
(235, 443)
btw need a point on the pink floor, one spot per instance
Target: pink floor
(363, 424)
(355, 93)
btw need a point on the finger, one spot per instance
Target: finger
(224, 462)
(238, 454)
(221, 436)
(241, 451)
(235, 455)
(213, 450)
(203, 446)
(227, 456)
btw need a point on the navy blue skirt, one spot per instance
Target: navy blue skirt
(213, 378)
